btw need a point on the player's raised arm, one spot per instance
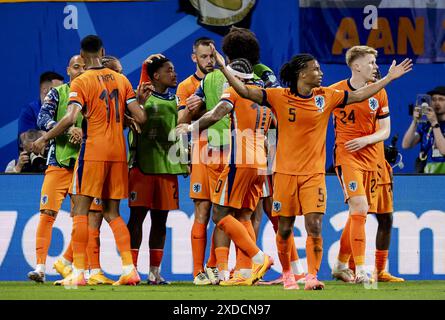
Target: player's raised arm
(395, 72)
(251, 93)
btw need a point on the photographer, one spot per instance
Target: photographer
(28, 161)
(430, 135)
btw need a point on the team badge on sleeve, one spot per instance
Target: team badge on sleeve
(352, 186)
(373, 104)
(44, 199)
(319, 102)
(276, 206)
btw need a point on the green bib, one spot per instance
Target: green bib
(158, 151)
(214, 85)
(66, 152)
(259, 69)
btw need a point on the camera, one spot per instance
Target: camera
(37, 161)
(391, 151)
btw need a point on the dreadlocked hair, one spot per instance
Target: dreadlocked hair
(290, 71)
(241, 65)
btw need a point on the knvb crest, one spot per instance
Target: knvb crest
(373, 104)
(197, 187)
(352, 186)
(276, 206)
(44, 199)
(319, 102)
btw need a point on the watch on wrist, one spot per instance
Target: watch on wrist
(437, 125)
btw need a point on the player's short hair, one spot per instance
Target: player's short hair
(357, 52)
(155, 65)
(290, 71)
(202, 41)
(91, 44)
(241, 43)
(106, 60)
(49, 76)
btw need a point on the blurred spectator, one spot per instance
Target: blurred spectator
(430, 134)
(28, 161)
(28, 114)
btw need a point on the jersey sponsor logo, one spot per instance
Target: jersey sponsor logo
(276, 206)
(197, 187)
(373, 104)
(73, 94)
(44, 199)
(319, 102)
(352, 186)
(133, 195)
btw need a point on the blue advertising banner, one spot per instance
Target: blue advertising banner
(397, 29)
(417, 247)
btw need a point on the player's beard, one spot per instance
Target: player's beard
(203, 69)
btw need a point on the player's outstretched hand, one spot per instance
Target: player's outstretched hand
(396, 71)
(193, 103)
(356, 144)
(38, 146)
(218, 57)
(181, 129)
(132, 124)
(143, 92)
(151, 57)
(75, 135)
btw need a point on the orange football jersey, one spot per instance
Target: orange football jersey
(302, 126)
(249, 124)
(358, 120)
(186, 88)
(102, 95)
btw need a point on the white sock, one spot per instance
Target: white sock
(258, 258)
(66, 262)
(245, 273)
(340, 265)
(77, 272)
(93, 272)
(360, 268)
(297, 267)
(40, 268)
(127, 269)
(224, 275)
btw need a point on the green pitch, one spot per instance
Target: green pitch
(418, 290)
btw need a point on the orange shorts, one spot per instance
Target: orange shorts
(357, 182)
(153, 191)
(199, 182)
(385, 203)
(297, 195)
(55, 188)
(100, 179)
(238, 188)
(267, 187)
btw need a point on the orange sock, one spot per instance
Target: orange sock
(283, 247)
(351, 263)
(68, 254)
(134, 256)
(222, 258)
(380, 259)
(156, 257)
(314, 253)
(293, 249)
(211, 262)
(235, 230)
(93, 249)
(242, 260)
(358, 238)
(43, 237)
(199, 241)
(122, 238)
(345, 243)
(79, 239)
